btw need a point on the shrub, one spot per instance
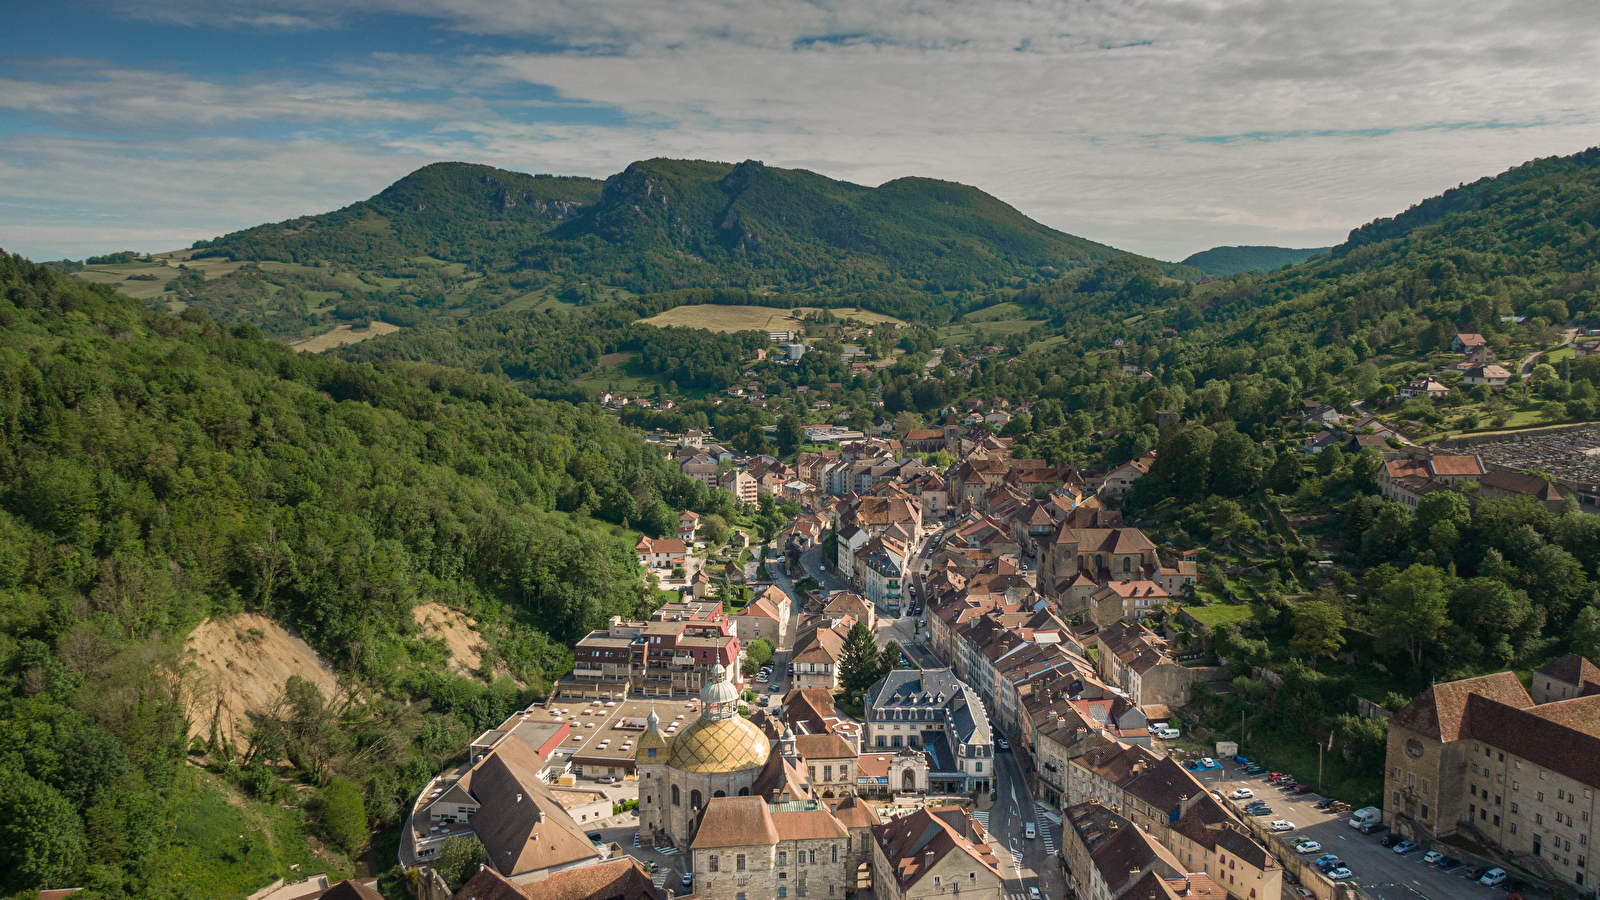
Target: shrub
(344, 815)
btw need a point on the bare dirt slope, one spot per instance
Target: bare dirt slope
(245, 661)
(455, 629)
(342, 335)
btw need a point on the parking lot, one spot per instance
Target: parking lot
(1379, 870)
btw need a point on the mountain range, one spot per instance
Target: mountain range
(1223, 261)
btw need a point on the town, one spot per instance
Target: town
(966, 680)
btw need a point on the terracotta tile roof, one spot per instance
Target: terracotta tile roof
(810, 825)
(763, 608)
(351, 889)
(1571, 669)
(855, 813)
(1437, 712)
(1153, 887)
(622, 879)
(1209, 825)
(1445, 466)
(1127, 852)
(917, 843)
(735, 822)
(520, 823)
(823, 746)
(1563, 736)
(1529, 485)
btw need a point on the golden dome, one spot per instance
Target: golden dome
(720, 745)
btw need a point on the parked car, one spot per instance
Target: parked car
(1281, 825)
(1243, 793)
(596, 837)
(1033, 893)
(688, 879)
(1391, 839)
(1260, 811)
(774, 688)
(1327, 861)
(1308, 847)
(1169, 734)
(1432, 856)
(1301, 789)
(1405, 847)
(1255, 769)
(1493, 877)
(607, 779)
(1449, 863)
(1191, 765)
(1208, 762)
(1339, 874)
(1326, 802)
(1376, 829)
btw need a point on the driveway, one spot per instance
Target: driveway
(1381, 873)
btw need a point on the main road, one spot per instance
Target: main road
(1024, 862)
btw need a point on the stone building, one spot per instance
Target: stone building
(746, 848)
(934, 854)
(1479, 757)
(720, 755)
(932, 711)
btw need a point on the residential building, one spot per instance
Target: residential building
(1491, 376)
(743, 488)
(764, 618)
(661, 553)
(619, 879)
(1426, 388)
(933, 854)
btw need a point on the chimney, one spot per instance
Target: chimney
(928, 859)
(519, 798)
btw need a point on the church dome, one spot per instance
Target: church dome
(720, 745)
(720, 740)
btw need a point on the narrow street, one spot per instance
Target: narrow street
(1024, 863)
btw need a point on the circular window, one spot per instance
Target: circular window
(1414, 748)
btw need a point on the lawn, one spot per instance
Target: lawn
(207, 855)
(1221, 614)
(720, 317)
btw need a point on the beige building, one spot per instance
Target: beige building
(1479, 757)
(1107, 858)
(933, 854)
(764, 618)
(748, 849)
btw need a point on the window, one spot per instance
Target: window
(712, 862)
(938, 880)
(738, 863)
(827, 773)
(783, 892)
(675, 800)
(835, 852)
(783, 857)
(1513, 828)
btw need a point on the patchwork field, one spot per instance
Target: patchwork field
(342, 335)
(715, 317)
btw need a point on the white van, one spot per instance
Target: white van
(1029, 831)
(1365, 816)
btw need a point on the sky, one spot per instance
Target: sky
(1162, 128)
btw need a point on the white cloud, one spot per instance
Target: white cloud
(1161, 127)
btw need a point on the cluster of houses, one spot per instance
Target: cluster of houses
(1476, 367)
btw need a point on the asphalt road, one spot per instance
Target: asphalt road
(1023, 863)
(1384, 874)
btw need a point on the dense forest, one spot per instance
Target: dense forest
(156, 470)
(1230, 260)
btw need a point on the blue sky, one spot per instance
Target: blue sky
(1160, 127)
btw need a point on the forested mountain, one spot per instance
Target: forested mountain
(1230, 260)
(156, 470)
(479, 215)
(663, 224)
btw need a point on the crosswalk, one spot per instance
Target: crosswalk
(667, 851)
(659, 877)
(1016, 858)
(1045, 831)
(1017, 895)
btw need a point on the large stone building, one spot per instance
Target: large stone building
(720, 755)
(1479, 757)
(932, 711)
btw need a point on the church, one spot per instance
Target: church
(744, 809)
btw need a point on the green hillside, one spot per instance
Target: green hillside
(158, 469)
(1222, 261)
(453, 240)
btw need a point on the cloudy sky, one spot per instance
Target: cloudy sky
(1160, 127)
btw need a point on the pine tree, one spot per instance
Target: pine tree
(861, 664)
